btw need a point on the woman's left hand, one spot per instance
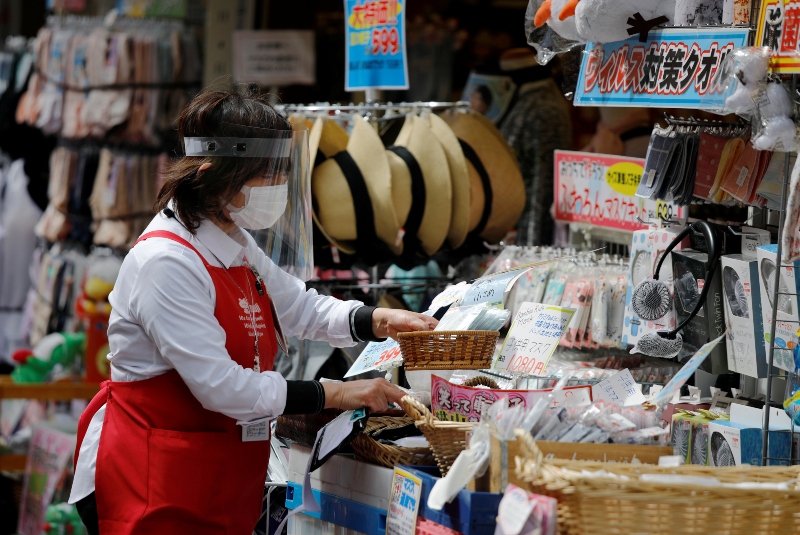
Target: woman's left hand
(387, 322)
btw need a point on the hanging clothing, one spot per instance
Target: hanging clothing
(537, 124)
(18, 216)
(163, 320)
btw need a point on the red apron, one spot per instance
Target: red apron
(166, 465)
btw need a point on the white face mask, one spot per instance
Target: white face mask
(263, 206)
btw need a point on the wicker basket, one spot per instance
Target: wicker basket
(446, 439)
(448, 350)
(302, 428)
(611, 505)
(370, 450)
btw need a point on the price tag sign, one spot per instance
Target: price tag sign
(375, 44)
(674, 386)
(492, 290)
(533, 338)
(403, 503)
(377, 355)
(619, 389)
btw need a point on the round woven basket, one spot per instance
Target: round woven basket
(448, 350)
(446, 439)
(370, 450)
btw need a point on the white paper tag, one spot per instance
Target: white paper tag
(650, 177)
(742, 175)
(256, 432)
(619, 389)
(514, 510)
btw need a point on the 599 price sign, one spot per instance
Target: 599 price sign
(375, 45)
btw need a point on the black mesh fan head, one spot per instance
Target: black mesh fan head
(686, 288)
(651, 299)
(720, 451)
(700, 445)
(680, 439)
(653, 345)
(730, 282)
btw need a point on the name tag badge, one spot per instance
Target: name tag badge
(256, 432)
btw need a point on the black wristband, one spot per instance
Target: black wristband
(304, 397)
(362, 325)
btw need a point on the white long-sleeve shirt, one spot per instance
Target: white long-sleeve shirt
(163, 318)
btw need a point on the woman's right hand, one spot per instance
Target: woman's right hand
(375, 394)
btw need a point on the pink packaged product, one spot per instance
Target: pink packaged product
(524, 513)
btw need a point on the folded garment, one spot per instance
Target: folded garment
(738, 181)
(733, 148)
(708, 158)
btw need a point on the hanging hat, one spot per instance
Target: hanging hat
(325, 139)
(496, 186)
(421, 187)
(459, 178)
(352, 205)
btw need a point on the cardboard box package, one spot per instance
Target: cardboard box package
(788, 309)
(740, 441)
(743, 317)
(646, 249)
(690, 270)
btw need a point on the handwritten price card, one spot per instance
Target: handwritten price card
(492, 290)
(619, 389)
(533, 338)
(601, 190)
(375, 44)
(377, 355)
(403, 503)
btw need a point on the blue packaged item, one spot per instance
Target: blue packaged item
(341, 511)
(470, 513)
(737, 444)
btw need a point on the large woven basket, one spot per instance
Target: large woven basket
(448, 350)
(370, 450)
(620, 503)
(446, 439)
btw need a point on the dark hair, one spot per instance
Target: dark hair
(199, 196)
(485, 93)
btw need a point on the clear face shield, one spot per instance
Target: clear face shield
(275, 203)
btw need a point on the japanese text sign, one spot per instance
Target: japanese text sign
(675, 67)
(533, 338)
(619, 389)
(601, 190)
(403, 503)
(458, 403)
(47, 457)
(274, 57)
(779, 29)
(377, 355)
(375, 45)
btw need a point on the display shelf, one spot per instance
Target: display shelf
(61, 391)
(50, 391)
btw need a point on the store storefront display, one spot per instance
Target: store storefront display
(636, 371)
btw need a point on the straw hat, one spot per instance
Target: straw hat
(421, 187)
(459, 178)
(357, 175)
(493, 171)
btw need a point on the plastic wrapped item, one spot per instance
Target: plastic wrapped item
(773, 127)
(545, 40)
(480, 317)
(746, 67)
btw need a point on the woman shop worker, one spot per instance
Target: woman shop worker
(199, 311)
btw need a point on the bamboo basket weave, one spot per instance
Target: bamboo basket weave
(370, 450)
(589, 505)
(448, 350)
(446, 439)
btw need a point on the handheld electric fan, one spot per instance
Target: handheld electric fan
(651, 297)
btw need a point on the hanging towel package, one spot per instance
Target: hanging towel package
(661, 161)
